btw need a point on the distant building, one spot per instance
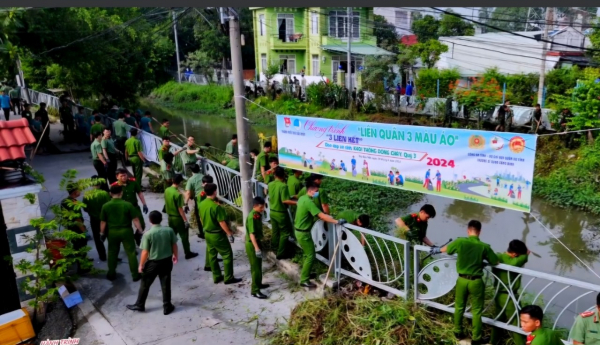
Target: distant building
(313, 40)
(513, 54)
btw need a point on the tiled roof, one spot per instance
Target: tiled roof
(14, 135)
(409, 40)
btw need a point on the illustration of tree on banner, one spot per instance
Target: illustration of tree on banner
(481, 97)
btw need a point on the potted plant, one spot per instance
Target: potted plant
(52, 246)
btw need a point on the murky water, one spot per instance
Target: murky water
(577, 230)
(206, 129)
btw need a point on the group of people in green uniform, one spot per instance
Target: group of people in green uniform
(295, 207)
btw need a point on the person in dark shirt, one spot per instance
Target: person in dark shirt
(42, 113)
(536, 120)
(565, 118)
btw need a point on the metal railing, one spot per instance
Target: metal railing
(384, 261)
(562, 299)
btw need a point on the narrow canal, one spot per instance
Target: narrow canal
(577, 230)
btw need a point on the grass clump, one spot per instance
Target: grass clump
(569, 178)
(362, 319)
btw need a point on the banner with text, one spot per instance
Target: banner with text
(492, 168)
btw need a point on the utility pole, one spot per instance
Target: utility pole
(349, 68)
(178, 62)
(240, 113)
(544, 53)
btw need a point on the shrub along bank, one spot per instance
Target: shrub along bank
(218, 100)
(563, 181)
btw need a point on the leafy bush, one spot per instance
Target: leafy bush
(427, 81)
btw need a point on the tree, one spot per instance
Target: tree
(586, 106)
(200, 62)
(376, 74)
(426, 28)
(429, 52)
(508, 18)
(120, 53)
(454, 26)
(386, 34)
(481, 97)
(595, 41)
(522, 89)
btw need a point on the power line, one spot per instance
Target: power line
(111, 29)
(516, 34)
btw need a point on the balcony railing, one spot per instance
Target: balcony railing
(294, 41)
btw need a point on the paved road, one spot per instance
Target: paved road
(223, 314)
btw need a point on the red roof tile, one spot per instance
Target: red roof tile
(409, 40)
(14, 135)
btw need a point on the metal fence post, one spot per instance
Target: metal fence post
(407, 269)
(415, 271)
(332, 241)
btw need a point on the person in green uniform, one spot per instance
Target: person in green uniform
(135, 156)
(193, 187)
(75, 223)
(586, 329)
(110, 154)
(96, 128)
(516, 255)
(273, 164)
(130, 120)
(294, 187)
(358, 219)
(188, 155)
(98, 160)
(93, 206)
(177, 218)
(471, 253)
(26, 114)
(121, 133)
(261, 164)
(66, 118)
(131, 192)
(201, 196)
(164, 131)
(254, 236)
(217, 234)
(232, 147)
(159, 253)
(166, 169)
(115, 224)
(322, 200)
(281, 225)
(306, 216)
(414, 226)
(532, 317)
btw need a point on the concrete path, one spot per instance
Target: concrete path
(204, 311)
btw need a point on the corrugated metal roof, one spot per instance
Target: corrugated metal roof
(511, 54)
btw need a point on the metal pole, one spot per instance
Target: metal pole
(24, 92)
(545, 47)
(503, 93)
(178, 64)
(350, 21)
(438, 88)
(240, 115)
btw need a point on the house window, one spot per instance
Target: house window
(338, 24)
(314, 23)
(263, 25)
(316, 66)
(287, 64)
(285, 25)
(402, 20)
(263, 62)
